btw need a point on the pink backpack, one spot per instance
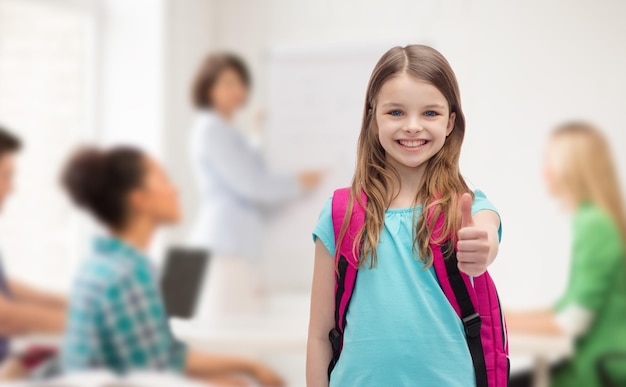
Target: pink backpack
(476, 305)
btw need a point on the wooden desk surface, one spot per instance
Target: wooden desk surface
(540, 345)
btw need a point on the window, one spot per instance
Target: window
(46, 88)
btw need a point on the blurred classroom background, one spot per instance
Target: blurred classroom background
(120, 71)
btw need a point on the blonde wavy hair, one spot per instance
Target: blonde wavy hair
(584, 168)
(377, 179)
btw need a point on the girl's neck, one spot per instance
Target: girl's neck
(411, 181)
(136, 233)
(570, 203)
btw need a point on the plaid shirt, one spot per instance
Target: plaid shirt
(116, 317)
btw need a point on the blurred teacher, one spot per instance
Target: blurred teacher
(237, 188)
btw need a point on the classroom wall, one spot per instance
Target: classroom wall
(190, 35)
(522, 68)
(131, 73)
(146, 54)
(44, 90)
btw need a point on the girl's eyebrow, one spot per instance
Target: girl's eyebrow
(434, 105)
(429, 106)
(392, 104)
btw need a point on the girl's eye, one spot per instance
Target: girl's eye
(430, 113)
(396, 113)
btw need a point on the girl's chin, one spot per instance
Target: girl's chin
(413, 166)
(408, 161)
(408, 164)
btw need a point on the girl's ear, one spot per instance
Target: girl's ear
(136, 201)
(451, 121)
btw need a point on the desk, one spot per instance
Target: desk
(257, 336)
(278, 337)
(282, 328)
(282, 331)
(543, 349)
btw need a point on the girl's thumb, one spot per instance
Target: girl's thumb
(466, 210)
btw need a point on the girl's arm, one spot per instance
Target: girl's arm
(17, 318)
(25, 293)
(202, 365)
(322, 320)
(490, 222)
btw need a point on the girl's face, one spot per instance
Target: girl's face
(549, 173)
(229, 92)
(157, 197)
(413, 119)
(553, 174)
(6, 177)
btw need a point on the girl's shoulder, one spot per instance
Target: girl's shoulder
(324, 229)
(482, 202)
(109, 264)
(100, 273)
(597, 242)
(325, 217)
(591, 221)
(589, 214)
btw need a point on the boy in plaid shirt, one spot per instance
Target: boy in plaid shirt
(117, 320)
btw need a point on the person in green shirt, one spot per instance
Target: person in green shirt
(581, 174)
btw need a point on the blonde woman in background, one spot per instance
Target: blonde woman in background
(580, 172)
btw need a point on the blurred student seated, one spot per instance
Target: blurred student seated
(117, 320)
(580, 173)
(23, 309)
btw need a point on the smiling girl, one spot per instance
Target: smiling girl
(400, 328)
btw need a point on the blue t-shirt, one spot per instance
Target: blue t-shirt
(400, 328)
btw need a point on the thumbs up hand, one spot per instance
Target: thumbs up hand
(473, 242)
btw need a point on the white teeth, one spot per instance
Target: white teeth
(412, 143)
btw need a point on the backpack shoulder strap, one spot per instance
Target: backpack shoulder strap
(347, 261)
(460, 293)
(341, 199)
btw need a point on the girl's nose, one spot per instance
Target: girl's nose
(413, 125)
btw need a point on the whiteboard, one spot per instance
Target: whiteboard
(314, 112)
(315, 99)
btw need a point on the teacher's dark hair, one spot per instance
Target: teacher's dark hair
(99, 181)
(9, 143)
(210, 69)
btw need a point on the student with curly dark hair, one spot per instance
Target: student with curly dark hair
(117, 319)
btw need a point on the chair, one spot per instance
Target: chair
(611, 369)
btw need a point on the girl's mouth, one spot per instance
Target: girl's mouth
(412, 144)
